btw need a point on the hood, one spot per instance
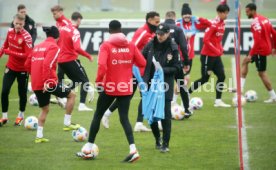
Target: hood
(62, 21)
(118, 39)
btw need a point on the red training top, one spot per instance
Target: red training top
(115, 61)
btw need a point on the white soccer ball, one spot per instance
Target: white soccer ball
(196, 103)
(177, 112)
(94, 150)
(251, 96)
(80, 134)
(33, 100)
(235, 101)
(31, 123)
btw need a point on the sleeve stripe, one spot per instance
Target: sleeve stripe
(140, 37)
(51, 64)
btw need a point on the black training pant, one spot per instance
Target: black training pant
(209, 64)
(22, 81)
(179, 78)
(114, 105)
(166, 124)
(104, 101)
(75, 71)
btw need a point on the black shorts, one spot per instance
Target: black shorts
(44, 98)
(260, 62)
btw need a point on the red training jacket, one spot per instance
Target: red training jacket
(17, 46)
(202, 24)
(142, 36)
(115, 61)
(41, 64)
(212, 41)
(264, 36)
(69, 41)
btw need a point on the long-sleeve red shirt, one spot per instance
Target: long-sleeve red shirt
(142, 36)
(69, 41)
(115, 61)
(41, 64)
(264, 36)
(212, 41)
(202, 24)
(17, 45)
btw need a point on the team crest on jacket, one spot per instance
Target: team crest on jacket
(169, 57)
(114, 50)
(20, 40)
(30, 27)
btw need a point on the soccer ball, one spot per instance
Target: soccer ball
(33, 100)
(31, 123)
(196, 103)
(80, 134)
(94, 151)
(235, 101)
(251, 96)
(177, 112)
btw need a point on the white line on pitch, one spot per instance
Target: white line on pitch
(245, 151)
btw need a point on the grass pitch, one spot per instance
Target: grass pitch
(208, 140)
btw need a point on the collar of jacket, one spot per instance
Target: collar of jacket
(161, 46)
(170, 21)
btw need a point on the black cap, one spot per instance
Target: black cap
(51, 31)
(162, 29)
(186, 9)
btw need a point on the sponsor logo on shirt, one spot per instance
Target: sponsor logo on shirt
(37, 59)
(115, 62)
(120, 50)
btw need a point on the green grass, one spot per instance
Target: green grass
(208, 140)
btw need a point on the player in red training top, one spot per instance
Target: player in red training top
(76, 18)
(17, 46)
(264, 37)
(41, 64)
(70, 47)
(140, 38)
(114, 80)
(211, 55)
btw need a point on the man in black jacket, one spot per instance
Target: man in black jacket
(29, 22)
(163, 50)
(178, 36)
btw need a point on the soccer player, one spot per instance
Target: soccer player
(190, 26)
(17, 46)
(76, 18)
(140, 38)
(29, 22)
(178, 36)
(115, 61)
(165, 51)
(211, 55)
(70, 46)
(41, 64)
(264, 37)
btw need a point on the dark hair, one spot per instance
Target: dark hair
(75, 16)
(57, 8)
(152, 14)
(51, 31)
(223, 8)
(115, 26)
(251, 6)
(21, 6)
(20, 17)
(186, 9)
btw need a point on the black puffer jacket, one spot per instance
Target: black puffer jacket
(167, 55)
